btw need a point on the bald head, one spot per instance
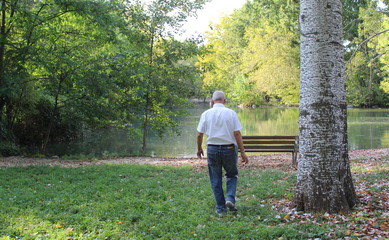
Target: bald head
(218, 95)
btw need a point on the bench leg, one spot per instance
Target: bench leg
(294, 158)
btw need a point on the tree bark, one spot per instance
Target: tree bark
(324, 181)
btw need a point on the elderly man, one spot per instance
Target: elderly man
(222, 127)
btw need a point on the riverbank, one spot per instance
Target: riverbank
(274, 161)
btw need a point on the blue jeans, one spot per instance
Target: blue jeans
(220, 157)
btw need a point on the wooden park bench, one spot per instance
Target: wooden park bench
(272, 144)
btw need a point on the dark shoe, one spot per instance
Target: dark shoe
(231, 206)
(220, 211)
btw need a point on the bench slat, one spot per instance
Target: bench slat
(270, 147)
(269, 150)
(275, 143)
(268, 137)
(267, 142)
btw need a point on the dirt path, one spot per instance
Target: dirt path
(277, 161)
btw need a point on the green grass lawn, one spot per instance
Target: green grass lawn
(148, 202)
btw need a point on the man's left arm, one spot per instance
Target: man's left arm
(200, 152)
(239, 141)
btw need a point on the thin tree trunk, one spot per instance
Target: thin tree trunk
(2, 52)
(324, 182)
(145, 133)
(370, 93)
(148, 90)
(6, 107)
(53, 115)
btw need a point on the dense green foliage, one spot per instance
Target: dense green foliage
(368, 59)
(253, 54)
(150, 202)
(70, 65)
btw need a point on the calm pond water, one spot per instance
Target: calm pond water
(367, 128)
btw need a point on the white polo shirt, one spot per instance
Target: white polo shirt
(219, 124)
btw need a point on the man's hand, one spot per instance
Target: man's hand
(245, 160)
(200, 153)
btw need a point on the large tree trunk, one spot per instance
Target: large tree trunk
(324, 182)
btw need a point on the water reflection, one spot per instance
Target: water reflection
(269, 121)
(367, 128)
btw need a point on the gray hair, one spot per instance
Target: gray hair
(218, 95)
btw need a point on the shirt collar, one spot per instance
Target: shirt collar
(218, 105)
